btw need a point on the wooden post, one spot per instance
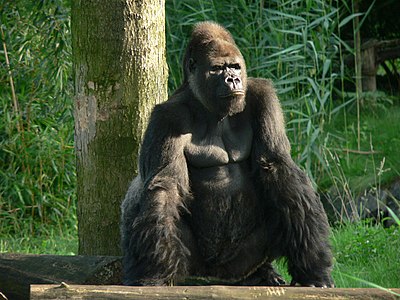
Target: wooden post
(369, 66)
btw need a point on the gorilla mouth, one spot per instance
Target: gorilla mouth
(233, 94)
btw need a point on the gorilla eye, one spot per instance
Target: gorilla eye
(216, 69)
(235, 66)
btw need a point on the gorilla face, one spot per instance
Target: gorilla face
(217, 77)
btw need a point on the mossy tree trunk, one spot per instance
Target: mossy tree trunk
(120, 73)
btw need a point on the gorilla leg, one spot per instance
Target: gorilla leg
(299, 228)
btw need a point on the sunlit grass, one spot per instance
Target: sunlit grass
(52, 241)
(367, 252)
(365, 255)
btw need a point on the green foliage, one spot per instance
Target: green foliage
(37, 172)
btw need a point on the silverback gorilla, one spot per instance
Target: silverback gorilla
(218, 194)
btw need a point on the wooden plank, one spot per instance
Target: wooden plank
(65, 291)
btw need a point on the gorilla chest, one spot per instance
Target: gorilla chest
(224, 209)
(211, 145)
(224, 206)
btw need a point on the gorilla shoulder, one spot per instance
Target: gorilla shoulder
(262, 98)
(172, 115)
(261, 90)
(267, 114)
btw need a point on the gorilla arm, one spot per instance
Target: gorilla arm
(296, 222)
(151, 211)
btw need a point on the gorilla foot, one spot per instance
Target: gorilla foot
(328, 284)
(265, 275)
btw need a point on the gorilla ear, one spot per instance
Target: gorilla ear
(191, 65)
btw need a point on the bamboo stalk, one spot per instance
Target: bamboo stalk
(11, 80)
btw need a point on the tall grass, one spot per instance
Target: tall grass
(295, 43)
(37, 173)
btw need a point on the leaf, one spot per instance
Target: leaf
(326, 67)
(395, 218)
(348, 19)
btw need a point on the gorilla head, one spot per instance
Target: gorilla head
(215, 70)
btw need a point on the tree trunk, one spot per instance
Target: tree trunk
(120, 73)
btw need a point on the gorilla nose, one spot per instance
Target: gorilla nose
(233, 82)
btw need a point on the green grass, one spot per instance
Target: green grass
(366, 252)
(51, 240)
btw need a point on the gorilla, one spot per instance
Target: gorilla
(218, 194)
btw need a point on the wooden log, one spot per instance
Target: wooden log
(389, 49)
(19, 271)
(203, 292)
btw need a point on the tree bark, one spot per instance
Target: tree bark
(120, 73)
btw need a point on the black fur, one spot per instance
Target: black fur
(217, 192)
